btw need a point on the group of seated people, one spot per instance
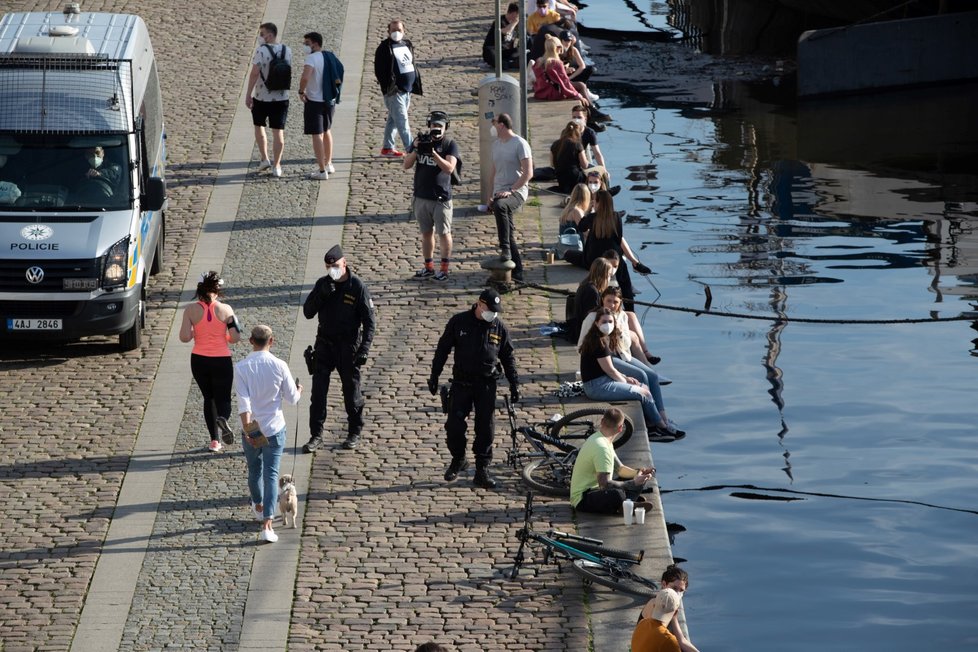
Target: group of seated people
(553, 54)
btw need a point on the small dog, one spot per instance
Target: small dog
(288, 502)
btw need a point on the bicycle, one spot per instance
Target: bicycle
(551, 463)
(594, 562)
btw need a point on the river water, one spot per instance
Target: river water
(828, 485)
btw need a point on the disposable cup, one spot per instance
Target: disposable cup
(628, 508)
(640, 516)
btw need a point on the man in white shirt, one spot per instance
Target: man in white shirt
(319, 90)
(262, 381)
(268, 107)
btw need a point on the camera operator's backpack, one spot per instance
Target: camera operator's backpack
(279, 71)
(457, 172)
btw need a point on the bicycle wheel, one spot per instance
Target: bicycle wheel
(549, 475)
(576, 427)
(604, 551)
(619, 580)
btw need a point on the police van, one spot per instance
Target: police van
(82, 191)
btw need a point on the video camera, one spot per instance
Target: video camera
(426, 141)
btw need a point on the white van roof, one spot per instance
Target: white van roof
(72, 72)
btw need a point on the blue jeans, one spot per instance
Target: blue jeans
(644, 374)
(606, 389)
(397, 119)
(263, 466)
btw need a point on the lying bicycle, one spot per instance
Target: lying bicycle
(591, 560)
(548, 466)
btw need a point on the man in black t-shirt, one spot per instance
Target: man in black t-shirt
(437, 157)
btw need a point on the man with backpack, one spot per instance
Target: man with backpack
(394, 68)
(268, 95)
(319, 89)
(438, 166)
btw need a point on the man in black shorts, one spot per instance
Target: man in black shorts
(268, 107)
(319, 89)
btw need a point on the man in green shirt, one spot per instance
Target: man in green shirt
(593, 488)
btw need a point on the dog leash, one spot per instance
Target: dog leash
(295, 442)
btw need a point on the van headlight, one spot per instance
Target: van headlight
(115, 265)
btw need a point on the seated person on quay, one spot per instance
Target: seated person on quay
(593, 487)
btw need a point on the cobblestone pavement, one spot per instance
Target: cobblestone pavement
(70, 413)
(390, 556)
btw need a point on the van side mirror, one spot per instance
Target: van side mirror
(154, 194)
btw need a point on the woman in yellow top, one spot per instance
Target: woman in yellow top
(211, 325)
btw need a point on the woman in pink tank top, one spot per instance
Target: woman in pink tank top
(211, 325)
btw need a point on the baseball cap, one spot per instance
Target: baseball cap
(664, 605)
(491, 298)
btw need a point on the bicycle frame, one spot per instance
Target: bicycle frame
(538, 440)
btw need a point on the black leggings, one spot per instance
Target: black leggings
(214, 377)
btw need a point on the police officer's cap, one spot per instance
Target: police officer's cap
(491, 298)
(334, 254)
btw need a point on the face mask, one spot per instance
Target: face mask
(335, 273)
(488, 315)
(397, 36)
(579, 122)
(606, 328)
(493, 132)
(95, 161)
(307, 49)
(594, 187)
(261, 41)
(542, 11)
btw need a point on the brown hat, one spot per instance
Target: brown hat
(334, 254)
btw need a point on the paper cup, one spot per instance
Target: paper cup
(640, 516)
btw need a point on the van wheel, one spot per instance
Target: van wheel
(132, 338)
(160, 242)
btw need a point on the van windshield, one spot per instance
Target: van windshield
(59, 172)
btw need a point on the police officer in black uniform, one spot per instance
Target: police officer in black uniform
(346, 329)
(480, 340)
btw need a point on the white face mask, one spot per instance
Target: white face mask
(489, 315)
(261, 41)
(397, 36)
(543, 10)
(493, 132)
(95, 161)
(579, 121)
(606, 328)
(336, 272)
(307, 49)
(594, 187)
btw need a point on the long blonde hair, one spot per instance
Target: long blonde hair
(550, 45)
(580, 200)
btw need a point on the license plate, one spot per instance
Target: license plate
(33, 324)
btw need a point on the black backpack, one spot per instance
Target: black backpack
(457, 172)
(279, 71)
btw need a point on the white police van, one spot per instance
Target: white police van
(82, 192)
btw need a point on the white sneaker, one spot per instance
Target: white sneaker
(257, 513)
(330, 168)
(593, 97)
(320, 176)
(269, 536)
(277, 171)
(214, 446)
(264, 165)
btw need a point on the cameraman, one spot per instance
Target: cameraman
(437, 157)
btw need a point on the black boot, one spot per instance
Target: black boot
(483, 479)
(458, 465)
